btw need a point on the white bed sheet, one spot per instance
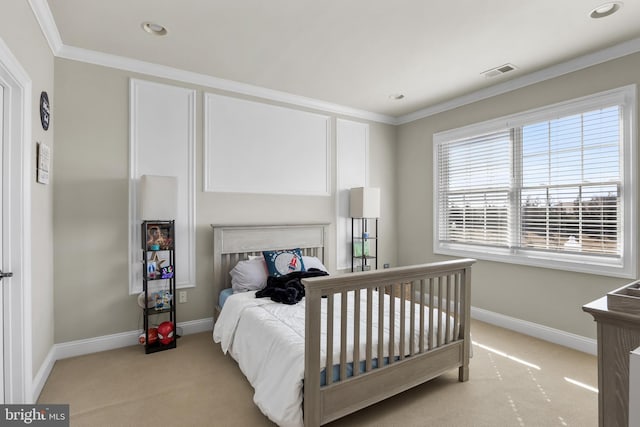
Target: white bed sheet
(267, 340)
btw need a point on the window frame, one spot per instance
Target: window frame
(625, 265)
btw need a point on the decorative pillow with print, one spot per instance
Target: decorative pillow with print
(283, 262)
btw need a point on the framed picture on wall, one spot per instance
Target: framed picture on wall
(44, 156)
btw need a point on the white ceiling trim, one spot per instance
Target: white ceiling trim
(47, 24)
(45, 19)
(614, 52)
(157, 70)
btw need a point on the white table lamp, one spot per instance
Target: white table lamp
(158, 197)
(364, 202)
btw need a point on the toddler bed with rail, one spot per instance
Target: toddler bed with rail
(353, 340)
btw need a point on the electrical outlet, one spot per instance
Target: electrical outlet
(386, 266)
(182, 297)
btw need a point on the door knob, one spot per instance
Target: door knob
(3, 275)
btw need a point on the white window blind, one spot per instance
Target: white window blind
(571, 181)
(554, 187)
(474, 189)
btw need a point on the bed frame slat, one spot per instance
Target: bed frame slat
(412, 319)
(456, 306)
(403, 309)
(447, 310)
(431, 313)
(440, 311)
(392, 325)
(380, 355)
(329, 345)
(369, 347)
(356, 332)
(344, 305)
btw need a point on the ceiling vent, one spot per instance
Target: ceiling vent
(498, 71)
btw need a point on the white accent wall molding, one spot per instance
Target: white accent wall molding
(252, 147)
(162, 142)
(352, 154)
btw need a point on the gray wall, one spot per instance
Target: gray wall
(548, 297)
(91, 205)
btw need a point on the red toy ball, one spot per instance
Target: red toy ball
(153, 336)
(165, 332)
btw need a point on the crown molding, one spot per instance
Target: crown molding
(162, 71)
(608, 54)
(47, 24)
(50, 30)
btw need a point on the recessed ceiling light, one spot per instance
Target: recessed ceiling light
(153, 28)
(396, 96)
(605, 9)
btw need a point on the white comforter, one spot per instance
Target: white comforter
(267, 340)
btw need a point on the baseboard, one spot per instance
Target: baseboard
(556, 336)
(124, 339)
(196, 326)
(103, 343)
(110, 342)
(43, 374)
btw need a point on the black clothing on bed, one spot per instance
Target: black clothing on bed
(288, 289)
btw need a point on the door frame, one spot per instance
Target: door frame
(17, 147)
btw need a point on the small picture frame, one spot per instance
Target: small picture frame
(159, 237)
(157, 262)
(44, 161)
(166, 272)
(152, 269)
(163, 300)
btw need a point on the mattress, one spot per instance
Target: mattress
(267, 341)
(226, 293)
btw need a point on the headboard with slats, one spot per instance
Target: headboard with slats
(232, 243)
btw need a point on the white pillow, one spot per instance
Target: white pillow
(313, 262)
(248, 275)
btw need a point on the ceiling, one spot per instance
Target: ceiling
(352, 53)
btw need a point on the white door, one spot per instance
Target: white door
(15, 231)
(2, 310)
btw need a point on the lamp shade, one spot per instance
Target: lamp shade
(158, 197)
(364, 202)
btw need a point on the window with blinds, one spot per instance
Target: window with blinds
(474, 189)
(554, 187)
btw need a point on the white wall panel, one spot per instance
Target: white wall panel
(162, 142)
(252, 147)
(352, 141)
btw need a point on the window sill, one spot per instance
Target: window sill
(610, 267)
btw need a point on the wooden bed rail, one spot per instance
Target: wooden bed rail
(422, 312)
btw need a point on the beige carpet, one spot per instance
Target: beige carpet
(515, 380)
